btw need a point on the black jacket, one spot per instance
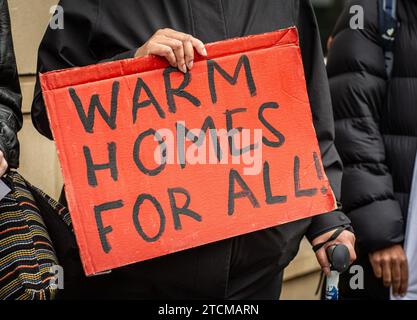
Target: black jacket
(10, 97)
(376, 123)
(95, 31)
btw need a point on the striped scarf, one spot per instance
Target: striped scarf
(26, 250)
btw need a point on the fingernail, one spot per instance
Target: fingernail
(183, 68)
(190, 64)
(204, 52)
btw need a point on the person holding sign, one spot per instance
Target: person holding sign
(249, 266)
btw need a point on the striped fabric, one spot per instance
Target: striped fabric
(26, 251)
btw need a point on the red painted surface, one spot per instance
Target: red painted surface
(278, 75)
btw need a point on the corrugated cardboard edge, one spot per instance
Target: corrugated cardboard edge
(49, 98)
(114, 69)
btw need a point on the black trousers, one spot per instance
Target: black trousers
(245, 267)
(207, 272)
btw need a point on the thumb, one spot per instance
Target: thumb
(323, 261)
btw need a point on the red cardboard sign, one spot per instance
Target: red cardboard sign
(136, 192)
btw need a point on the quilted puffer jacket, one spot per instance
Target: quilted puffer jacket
(376, 122)
(10, 96)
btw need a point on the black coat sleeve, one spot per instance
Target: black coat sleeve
(358, 85)
(10, 96)
(321, 107)
(69, 47)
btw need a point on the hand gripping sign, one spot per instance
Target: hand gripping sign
(156, 161)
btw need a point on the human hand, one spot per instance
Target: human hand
(3, 164)
(176, 47)
(346, 237)
(391, 265)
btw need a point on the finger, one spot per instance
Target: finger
(347, 238)
(404, 278)
(376, 266)
(3, 167)
(174, 44)
(163, 51)
(386, 273)
(189, 54)
(352, 252)
(179, 49)
(329, 42)
(396, 276)
(179, 55)
(197, 44)
(323, 261)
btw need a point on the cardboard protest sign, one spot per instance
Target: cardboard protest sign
(156, 161)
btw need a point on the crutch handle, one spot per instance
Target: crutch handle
(339, 257)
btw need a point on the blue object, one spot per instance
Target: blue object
(388, 25)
